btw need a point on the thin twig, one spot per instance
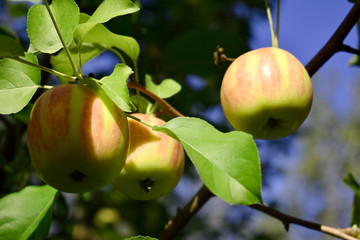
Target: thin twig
(287, 220)
(167, 107)
(72, 62)
(346, 48)
(336, 41)
(184, 215)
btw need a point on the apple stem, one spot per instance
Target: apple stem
(274, 37)
(220, 56)
(141, 121)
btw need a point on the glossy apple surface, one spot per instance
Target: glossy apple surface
(155, 162)
(266, 92)
(77, 138)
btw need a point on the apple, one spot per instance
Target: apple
(78, 139)
(266, 92)
(155, 162)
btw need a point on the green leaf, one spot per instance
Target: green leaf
(109, 9)
(140, 238)
(18, 83)
(9, 47)
(34, 1)
(166, 89)
(60, 61)
(97, 33)
(41, 30)
(355, 186)
(115, 87)
(228, 163)
(27, 213)
(143, 104)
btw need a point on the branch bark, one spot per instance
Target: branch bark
(175, 225)
(334, 45)
(167, 107)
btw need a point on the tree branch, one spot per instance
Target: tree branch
(175, 225)
(184, 215)
(287, 220)
(336, 41)
(167, 107)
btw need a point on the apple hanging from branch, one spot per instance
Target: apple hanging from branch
(155, 162)
(77, 138)
(266, 92)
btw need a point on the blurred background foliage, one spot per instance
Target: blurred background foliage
(302, 173)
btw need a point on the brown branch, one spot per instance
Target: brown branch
(175, 225)
(287, 220)
(336, 41)
(346, 48)
(167, 107)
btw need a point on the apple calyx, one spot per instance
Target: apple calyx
(272, 123)
(77, 176)
(147, 184)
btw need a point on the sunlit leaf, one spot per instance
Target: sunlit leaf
(166, 89)
(41, 30)
(228, 163)
(26, 214)
(18, 83)
(115, 87)
(102, 36)
(60, 61)
(97, 33)
(109, 9)
(34, 1)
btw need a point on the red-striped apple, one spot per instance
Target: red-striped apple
(266, 92)
(155, 162)
(77, 138)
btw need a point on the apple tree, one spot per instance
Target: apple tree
(80, 148)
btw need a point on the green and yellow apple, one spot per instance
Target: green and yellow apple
(78, 139)
(266, 92)
(155, 162)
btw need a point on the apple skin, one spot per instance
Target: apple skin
(155, 162)
(267, 93)
(78, 139)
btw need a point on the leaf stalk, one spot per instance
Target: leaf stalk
(71, 59)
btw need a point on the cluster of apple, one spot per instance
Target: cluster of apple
(266, 92)
(80, 141)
